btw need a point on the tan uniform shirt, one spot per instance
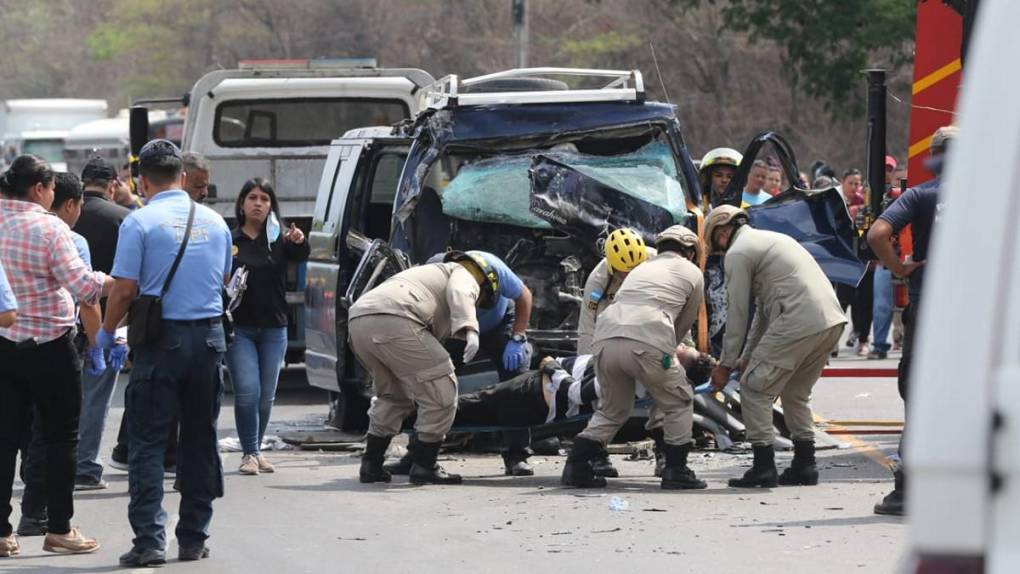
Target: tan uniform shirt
(794, 297)
(656, 305)
(440, 296)
(599, 291)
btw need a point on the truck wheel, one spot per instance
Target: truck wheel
(348, 411)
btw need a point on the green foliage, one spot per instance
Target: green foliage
(594, 51)
(828, 42)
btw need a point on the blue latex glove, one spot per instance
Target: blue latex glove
(96, 363)
(703, 388)
(118, 354)
(514, 355)
(105, 339)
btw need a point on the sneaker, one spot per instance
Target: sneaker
(142, 558)
(169, 472)
(264, 464)
(9, 546)
(71, 543)
(249, 465)
(878, 355)
(851, 340)
(863, 350)
(90, 483)
(118, 464)
(191, 553)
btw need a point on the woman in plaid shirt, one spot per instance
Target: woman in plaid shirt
(41, 366)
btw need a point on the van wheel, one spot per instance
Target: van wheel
(348, 411)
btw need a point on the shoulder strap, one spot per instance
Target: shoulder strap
(180, 252)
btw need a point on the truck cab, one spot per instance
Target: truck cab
(477, 169)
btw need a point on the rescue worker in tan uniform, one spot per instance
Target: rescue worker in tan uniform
(397, 331)
(797, 322)
(624, 250)
(635, 342)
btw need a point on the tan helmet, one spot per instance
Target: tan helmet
(683, 236)
(721, 216)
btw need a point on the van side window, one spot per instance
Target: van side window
(376, 189)
(298, 122)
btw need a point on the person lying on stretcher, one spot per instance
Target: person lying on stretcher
(560, 389)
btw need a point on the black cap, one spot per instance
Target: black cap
(156, 150)
(98, 169)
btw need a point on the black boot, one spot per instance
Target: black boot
(892, 504)
(372, 460)
(603, 466)
(402, 466)
(677, 475)
(659, 436)
(426, 470)
(578, 471)
(763, 473)
(515, 463)
(802, 471)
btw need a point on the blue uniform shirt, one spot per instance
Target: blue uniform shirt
(82, 245)
(7, 300)
(148, 243)
(510, 287)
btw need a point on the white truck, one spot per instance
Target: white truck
(41, 126)
(109, 138)
(275, 120)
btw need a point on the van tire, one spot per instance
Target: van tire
(348, 411)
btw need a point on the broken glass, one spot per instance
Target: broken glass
(497, 189)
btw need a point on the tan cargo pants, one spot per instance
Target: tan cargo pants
(409, 367)
(619, 365)
(763, 382)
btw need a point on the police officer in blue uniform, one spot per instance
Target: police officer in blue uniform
(178, 372)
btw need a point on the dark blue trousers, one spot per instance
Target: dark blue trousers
(178, 376)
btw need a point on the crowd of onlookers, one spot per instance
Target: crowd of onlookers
(80, 259)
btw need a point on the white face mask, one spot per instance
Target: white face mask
(272, 228)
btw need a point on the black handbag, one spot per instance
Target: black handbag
(145, 318)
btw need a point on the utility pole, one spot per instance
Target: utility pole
(519, 10)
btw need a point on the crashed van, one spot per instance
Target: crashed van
(533, 169)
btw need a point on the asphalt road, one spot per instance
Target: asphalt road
(313, 515)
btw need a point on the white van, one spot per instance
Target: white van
(963, 434)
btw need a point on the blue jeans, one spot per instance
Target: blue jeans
(178, 375)
(96, 396)
(254, 360)
(882, 309)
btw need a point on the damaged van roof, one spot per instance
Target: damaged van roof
(523, 121)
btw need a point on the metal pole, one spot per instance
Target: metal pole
(519, 9)
(876, 138)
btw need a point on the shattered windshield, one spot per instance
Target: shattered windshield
(497, 189)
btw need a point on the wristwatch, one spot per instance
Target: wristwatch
(519, 338)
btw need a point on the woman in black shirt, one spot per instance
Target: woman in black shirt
(264, 249)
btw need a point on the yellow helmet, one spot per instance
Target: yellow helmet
(720, 156)
(625, 249)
